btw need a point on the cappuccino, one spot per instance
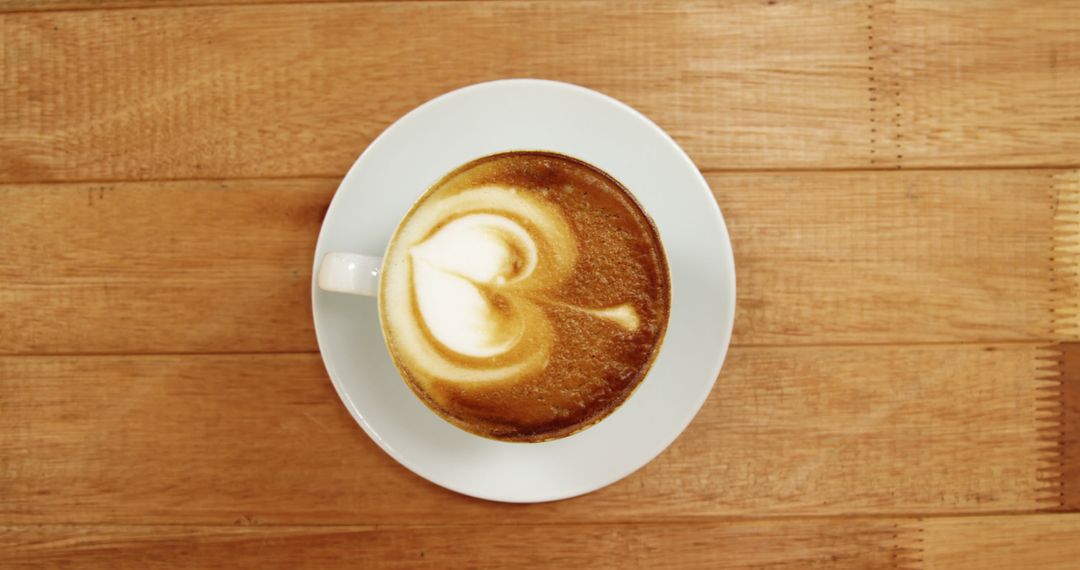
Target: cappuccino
(524, 296)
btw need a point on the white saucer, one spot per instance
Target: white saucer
(523, 114)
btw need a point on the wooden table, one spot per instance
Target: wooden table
(902, 188)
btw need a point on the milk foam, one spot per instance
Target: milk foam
(449, 271)
(485, 248)
(468, 278)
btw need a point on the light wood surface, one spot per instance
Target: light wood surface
(799, 544)
(220, 439)
(48, 5)
(1008, 542)
(901, 181)
(287, 90)
(883, 257)
(1018, 542)
(795, 544)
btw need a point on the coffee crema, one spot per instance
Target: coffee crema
(524, 296)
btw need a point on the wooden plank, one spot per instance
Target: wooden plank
(1066, 253)
(864, 543)
(1020, 542)
(1065, 405)
(976, 82)
(47, 5)
(288, 90)
(192, 266)
(890, 257)
(822, 258)
(1012, 541)
(263, 439)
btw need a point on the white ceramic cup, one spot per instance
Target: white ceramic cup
(513, 115)
(353, 273)
(358, 274)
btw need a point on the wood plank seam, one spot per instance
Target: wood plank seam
(740, 346)
(908, 545)
(706, 171)
(886, 114)
(1049, 420)
(1054, 171)
(873, 89)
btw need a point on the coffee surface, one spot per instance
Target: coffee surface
(524, 296)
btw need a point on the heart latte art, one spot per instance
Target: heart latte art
(524, 296)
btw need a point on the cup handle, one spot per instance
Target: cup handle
(350, 273)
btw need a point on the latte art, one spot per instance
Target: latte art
(506, 314)
(453, 276)
(471, 277)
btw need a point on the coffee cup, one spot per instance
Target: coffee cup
(523, 297)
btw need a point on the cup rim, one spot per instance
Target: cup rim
(647, 366)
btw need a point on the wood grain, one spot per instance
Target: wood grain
(958, 256)
(860, 543)
(890, 257)
(1015, 542)
(48, 5)
(284, 90)
(1066, 254)
(972, 81)
(1065, 432)
(1006, 542)
(289, 90)
(174, 267)
(164, 170)
(262, 439)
